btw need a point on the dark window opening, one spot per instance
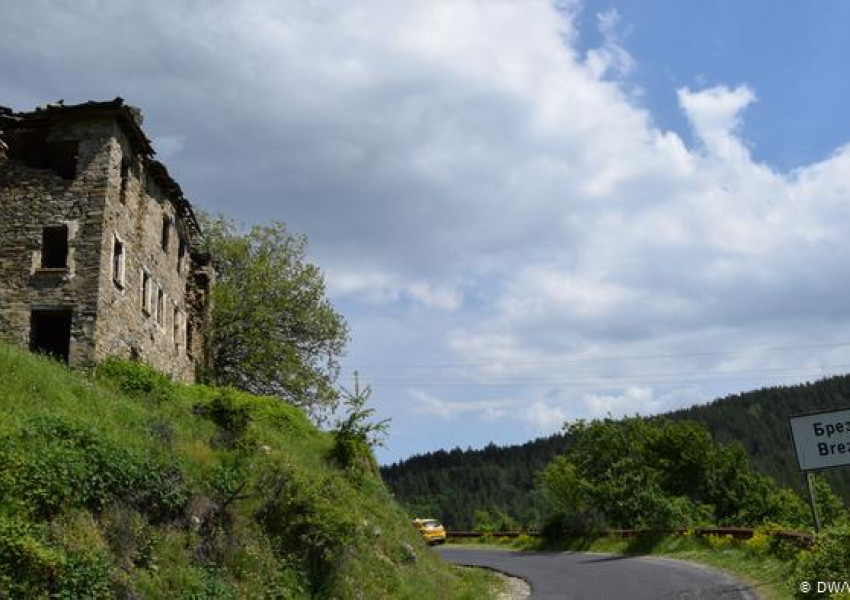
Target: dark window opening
(160, 306)
(118, 263)
(50, 333)
(181, 254)
(125, 178)
(54, 247)
(27, 146)
(166, 231)
(146, 292)
(32, 148)
(189, 340)
(175, 328)
(62, 158)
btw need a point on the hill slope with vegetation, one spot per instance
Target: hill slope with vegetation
(497, 486)
(124, 484)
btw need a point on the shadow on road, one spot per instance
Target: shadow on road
(607, 558)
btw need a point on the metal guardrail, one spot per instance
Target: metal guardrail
(739, 533)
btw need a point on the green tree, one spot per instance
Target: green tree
(356, 434)
(659, 473)
(273, 330)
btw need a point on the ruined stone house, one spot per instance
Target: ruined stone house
(98, 245)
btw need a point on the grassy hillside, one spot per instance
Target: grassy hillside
(123, 484)
(454, 485)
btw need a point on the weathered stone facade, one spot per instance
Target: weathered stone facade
(98, 252)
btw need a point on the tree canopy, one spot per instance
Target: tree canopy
(273, 331)
(638, 472)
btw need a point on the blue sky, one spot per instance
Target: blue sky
(789, 52)
(529, 213)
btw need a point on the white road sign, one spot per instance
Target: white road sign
(822, 440)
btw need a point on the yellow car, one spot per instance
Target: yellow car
(431, 530)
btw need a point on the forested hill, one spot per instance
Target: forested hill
(759, 420)
(500, 480)
(453, 485)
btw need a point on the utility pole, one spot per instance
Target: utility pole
(356, 384)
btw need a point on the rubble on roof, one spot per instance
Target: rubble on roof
(130, 119)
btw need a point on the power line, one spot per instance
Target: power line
(597, 382)
(582, 360)
(601, 376)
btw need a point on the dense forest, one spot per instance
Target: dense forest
(498, 486)
(454, 485)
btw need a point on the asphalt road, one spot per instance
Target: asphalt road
(567, 575)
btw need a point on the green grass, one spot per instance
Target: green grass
(121, 483)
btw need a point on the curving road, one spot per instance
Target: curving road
(568, 575)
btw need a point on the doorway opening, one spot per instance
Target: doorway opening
(50, 332)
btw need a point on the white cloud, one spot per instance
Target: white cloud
(487, 410)
(715, 114)
(634, 400)
(611, 58)
(380, 288)
(545, 418)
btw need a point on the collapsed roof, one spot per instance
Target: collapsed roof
(128, 117)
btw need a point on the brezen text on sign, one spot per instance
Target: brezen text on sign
(822, 440)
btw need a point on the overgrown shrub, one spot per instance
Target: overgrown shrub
(137, 379)
(229, 415)
(309, 522)
(827, 561)
(561, 525)
(32, 568)
(128, 535)
(492, 521)
(56, 464)
(27, 566)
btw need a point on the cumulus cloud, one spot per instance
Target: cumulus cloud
(545, 418)
(611, 58)
(634, 400)
(715, 114)
(487, 410)
(381, 288)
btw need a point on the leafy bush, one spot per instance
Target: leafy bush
(27, 565)
(759, 544)
(128, 536)
(829, 560)
(137, 379)
(32, 568)
(561, 526)
(490, 522)
(56, 463)
(309, 522)
(831, 509)
(230, 416)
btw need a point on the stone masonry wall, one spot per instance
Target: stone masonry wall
(33, 198)
(153, 328)
(114, 198)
